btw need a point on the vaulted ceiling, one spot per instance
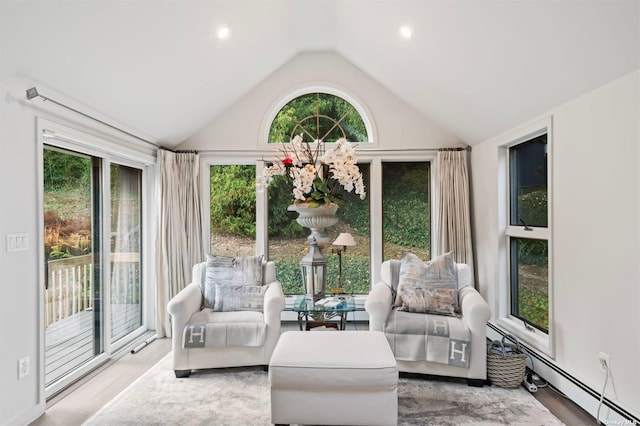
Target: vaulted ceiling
(477, 68)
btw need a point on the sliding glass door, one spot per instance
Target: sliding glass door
(126, 249)
(72, 291)
(92, 236)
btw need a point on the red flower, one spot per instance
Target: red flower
(288, 162)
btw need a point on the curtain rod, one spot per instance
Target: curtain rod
(180, 151)
(464, 148)
(33, 93)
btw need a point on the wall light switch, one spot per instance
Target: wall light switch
(17, 242)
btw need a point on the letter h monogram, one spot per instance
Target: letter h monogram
(200, 334)
(455, 351)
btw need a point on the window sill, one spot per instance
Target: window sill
(536, 339)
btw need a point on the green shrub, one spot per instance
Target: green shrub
(356, 214)
(63, 171)
(357, 277)
(288, 273)
(57, 252)
(233, 199)
(405, 203)
(355, 270)
(532, 208)
(407, 220)
(534, 306)
(533, 252)
(282, 223)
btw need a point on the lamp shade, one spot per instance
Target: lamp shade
(345, 239)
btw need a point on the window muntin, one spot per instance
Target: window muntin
(318, 116)
(406, 209)
(527, 233)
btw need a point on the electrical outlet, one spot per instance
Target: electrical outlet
(24, 367)
(604, 361)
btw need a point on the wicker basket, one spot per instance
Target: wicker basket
(506, 363)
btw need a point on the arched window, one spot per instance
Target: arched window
(319, 116)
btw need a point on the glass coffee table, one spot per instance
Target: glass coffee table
(311, 315)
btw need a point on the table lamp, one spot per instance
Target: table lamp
(343, 241)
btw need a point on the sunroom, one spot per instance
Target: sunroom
(533, 94)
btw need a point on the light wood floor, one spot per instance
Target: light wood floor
(76, 404)
(80, 401)
(69, 342)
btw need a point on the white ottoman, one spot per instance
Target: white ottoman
(333, 378)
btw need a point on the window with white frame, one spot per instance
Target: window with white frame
(232, 209)
(395, 216)
(318, 116)
(406, 211)
(527, 233)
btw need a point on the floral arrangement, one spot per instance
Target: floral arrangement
(318, 175)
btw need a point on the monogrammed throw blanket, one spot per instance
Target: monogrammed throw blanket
(224, 329)
(425, 337)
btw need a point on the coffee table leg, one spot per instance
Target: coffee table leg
(343, 320)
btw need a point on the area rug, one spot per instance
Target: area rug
(240, 396)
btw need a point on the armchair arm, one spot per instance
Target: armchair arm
(378, 305)
(475, 310)
(273, 303)
(183, 305)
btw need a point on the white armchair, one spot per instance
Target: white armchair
(230, 333)
(475, 313)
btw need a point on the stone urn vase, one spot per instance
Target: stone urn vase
(316, 219)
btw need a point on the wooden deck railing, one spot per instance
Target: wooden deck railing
(70, 284)
(69, 289)
(125, 278)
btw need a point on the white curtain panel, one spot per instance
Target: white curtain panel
(179, 242)
(454, 206)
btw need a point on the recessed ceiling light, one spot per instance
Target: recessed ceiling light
(406, 32)
(224, 33)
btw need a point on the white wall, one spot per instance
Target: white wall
(596, 234)
(19, 312)
(398, 125)
(21, 401)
